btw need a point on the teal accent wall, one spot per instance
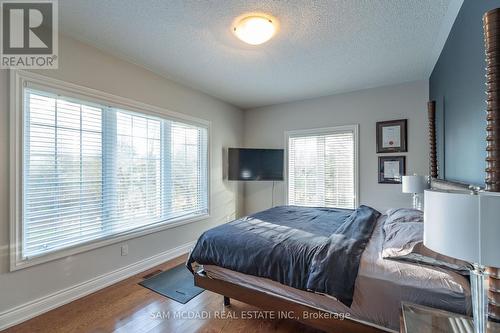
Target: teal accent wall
(457, 84)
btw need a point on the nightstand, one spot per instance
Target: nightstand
(422, 319)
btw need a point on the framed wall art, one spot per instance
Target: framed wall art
(392, 136)
(391, 169)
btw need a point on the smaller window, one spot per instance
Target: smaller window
(322, 167)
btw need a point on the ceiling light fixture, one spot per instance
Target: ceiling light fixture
(255, 29)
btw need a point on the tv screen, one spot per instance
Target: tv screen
(255, 164)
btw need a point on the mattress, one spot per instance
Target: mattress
(381, 286)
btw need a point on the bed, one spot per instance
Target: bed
(380, 287)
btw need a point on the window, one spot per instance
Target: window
(322, 167)
(92, 172)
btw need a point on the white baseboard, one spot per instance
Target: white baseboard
(37, 307)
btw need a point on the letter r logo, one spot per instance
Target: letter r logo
(27, 27)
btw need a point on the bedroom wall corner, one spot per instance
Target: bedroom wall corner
(87, 66)
(265, 127)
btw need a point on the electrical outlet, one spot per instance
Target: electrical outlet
(124, 249)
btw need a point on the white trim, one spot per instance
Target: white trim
(16, 144)
(20, 79)
(97, 96)
(326, 130)
(41, 305)
(442, 36)
(91, 245)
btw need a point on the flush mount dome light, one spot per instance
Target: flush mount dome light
(255, 29)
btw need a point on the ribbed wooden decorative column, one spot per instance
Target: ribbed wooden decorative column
(491, 25)
(431, 112)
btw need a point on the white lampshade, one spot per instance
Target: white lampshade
(463, 225)
(414, 184)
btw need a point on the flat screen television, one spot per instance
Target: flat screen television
(255, 164)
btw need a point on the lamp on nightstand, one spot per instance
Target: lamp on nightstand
(466, 225)
(416, 185)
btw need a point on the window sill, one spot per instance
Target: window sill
(17, 263)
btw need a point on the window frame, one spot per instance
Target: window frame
(18, 81)
(322, 131)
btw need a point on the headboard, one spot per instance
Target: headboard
(435, 181)
(440, 184)
(492, 52)
(492, 137)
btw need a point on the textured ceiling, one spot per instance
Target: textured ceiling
(322, 47)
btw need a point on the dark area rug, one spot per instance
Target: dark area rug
(177, 283)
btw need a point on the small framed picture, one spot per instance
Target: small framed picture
(392, 136)
(391, 169)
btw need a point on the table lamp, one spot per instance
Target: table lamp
(416, 185)
(466, 225)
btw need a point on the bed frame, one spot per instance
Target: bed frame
(306, 314)
(315, 317)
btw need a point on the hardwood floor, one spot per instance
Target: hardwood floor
(128, 307)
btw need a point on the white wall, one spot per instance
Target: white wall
(265, 127)
(87, 66)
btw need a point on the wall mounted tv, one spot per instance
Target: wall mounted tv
(255, 164)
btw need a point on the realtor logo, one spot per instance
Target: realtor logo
(28, 35)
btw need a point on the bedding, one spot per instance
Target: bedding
(302, 247)
(380, 287)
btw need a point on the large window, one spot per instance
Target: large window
(322, 167)
(91, 171)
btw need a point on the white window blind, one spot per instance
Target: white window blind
(321, 169)
(92, 171)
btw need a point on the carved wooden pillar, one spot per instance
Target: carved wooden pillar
(491, 25)
(433, 166)
(491, 22)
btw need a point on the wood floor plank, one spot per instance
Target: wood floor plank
(127, 307)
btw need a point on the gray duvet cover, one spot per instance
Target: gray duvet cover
(316, 249)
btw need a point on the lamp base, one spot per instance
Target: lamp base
(478, 278)
(417, 202)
